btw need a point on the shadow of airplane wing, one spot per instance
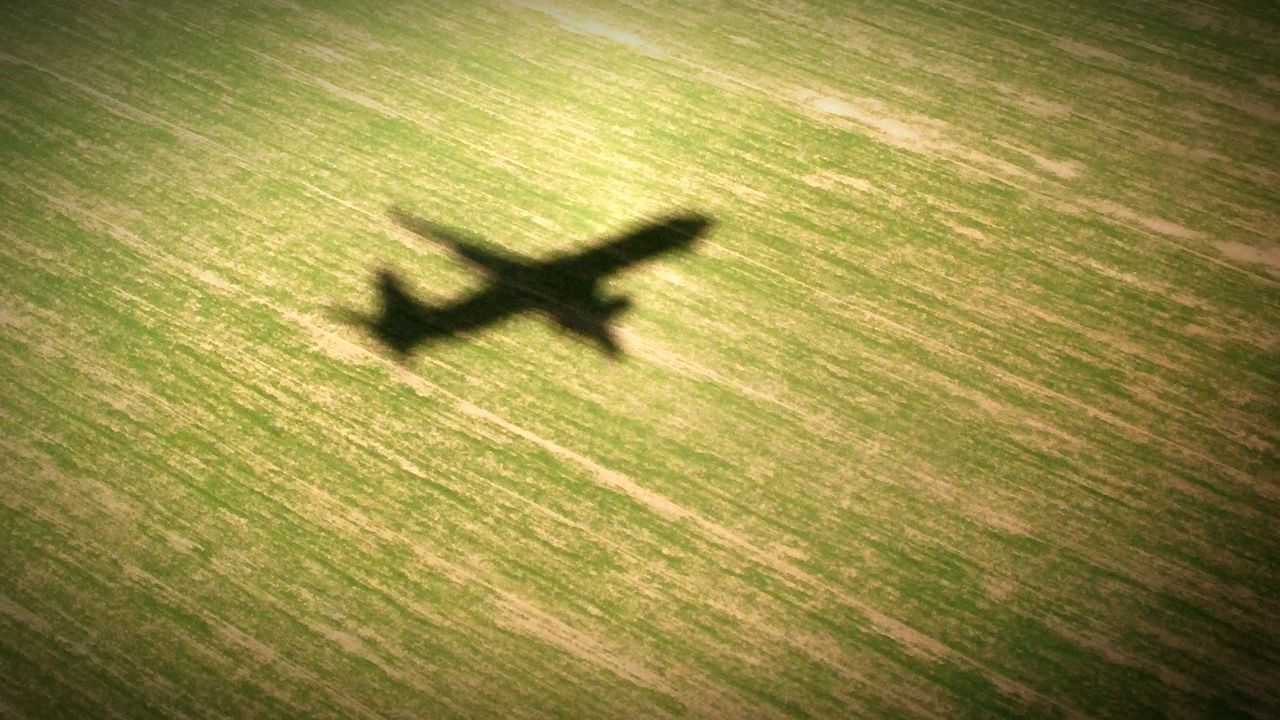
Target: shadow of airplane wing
(594, 322)
(491, 263)
(633, 248)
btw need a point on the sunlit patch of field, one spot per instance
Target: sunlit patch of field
(969, 405)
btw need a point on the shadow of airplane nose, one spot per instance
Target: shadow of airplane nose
(692, 225)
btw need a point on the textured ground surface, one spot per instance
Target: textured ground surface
(969, 406)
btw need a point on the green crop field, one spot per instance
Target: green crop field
(966, 403)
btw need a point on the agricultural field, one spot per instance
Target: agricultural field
(959, 398)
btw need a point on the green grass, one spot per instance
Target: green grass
(966, 408)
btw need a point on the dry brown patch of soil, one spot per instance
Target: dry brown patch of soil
(1154, 224)
(1242, 252)
(872, 114)
(519, 615)
(835, 182)
(1034, 104)
(1065, 169)
(1088, 52)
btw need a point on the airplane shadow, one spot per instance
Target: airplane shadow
(565, 288)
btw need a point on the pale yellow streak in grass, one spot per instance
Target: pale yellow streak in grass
(65, 200)
(921, 134)
(30, 620)
(1268, 257)
(910, 639)
(1013, 380)
(1253, 106)
(340, 92)
(58, 500)
(925, 136)
(597, 649)
(517, 612)
(206, 276)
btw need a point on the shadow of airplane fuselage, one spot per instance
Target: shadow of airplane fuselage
(566, 289)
